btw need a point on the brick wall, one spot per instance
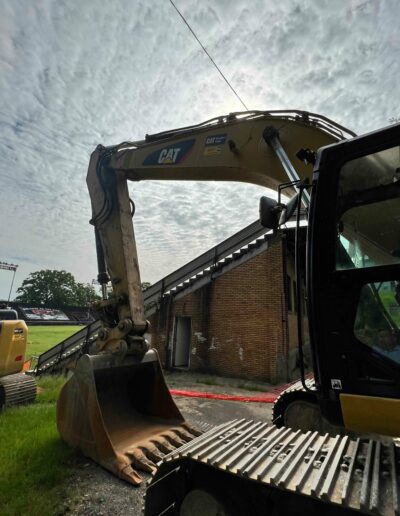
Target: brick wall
(238, 322)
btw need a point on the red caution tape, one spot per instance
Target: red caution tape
(263, 398)
(269, 397)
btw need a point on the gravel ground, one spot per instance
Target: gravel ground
(94, 491)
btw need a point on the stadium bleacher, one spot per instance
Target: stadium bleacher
(60, 315)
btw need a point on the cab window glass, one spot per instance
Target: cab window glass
(377, 321)
(368, 211)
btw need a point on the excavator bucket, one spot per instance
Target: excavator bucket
(119, 412)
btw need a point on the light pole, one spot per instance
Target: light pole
(9, 267)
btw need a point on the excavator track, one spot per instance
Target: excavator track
(261, 469)
(298, 408)
(17, 389)
(292, 394)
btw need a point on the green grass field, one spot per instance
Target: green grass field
(34, 462)
(41, 338)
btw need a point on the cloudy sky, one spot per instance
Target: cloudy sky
(77, 73)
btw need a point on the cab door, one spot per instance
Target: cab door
(354, 281)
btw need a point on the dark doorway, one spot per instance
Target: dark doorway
(183, 327)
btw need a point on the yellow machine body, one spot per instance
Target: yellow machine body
(13, 341)
(16, 387)
(371, 414)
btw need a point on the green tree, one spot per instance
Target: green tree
(54, 288)
(85, 294)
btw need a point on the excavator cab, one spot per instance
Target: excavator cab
(8, 314)
(353, 284)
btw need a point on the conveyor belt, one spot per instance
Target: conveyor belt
(360, 474)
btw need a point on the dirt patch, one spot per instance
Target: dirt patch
(95, 492)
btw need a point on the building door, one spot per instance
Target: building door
(183, 326)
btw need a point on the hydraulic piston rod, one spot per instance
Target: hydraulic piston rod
(271, 136)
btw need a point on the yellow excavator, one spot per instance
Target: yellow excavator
(116, 407)
(16, 387)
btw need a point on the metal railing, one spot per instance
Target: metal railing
(203, 262)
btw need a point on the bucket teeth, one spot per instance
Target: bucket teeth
(162, 444)
(125, 470)
(141, 461)
(145, 456)
(184, 434)
(152, 452)
(173, 438)
(194, 432)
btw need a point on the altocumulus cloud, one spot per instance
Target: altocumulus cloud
(75, 74)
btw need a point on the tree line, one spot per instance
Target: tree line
(57, 288)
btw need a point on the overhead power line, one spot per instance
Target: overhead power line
(211, 59)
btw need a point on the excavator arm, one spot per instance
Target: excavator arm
(116, 407)
(231, 148)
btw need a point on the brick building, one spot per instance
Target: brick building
(235, 318)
